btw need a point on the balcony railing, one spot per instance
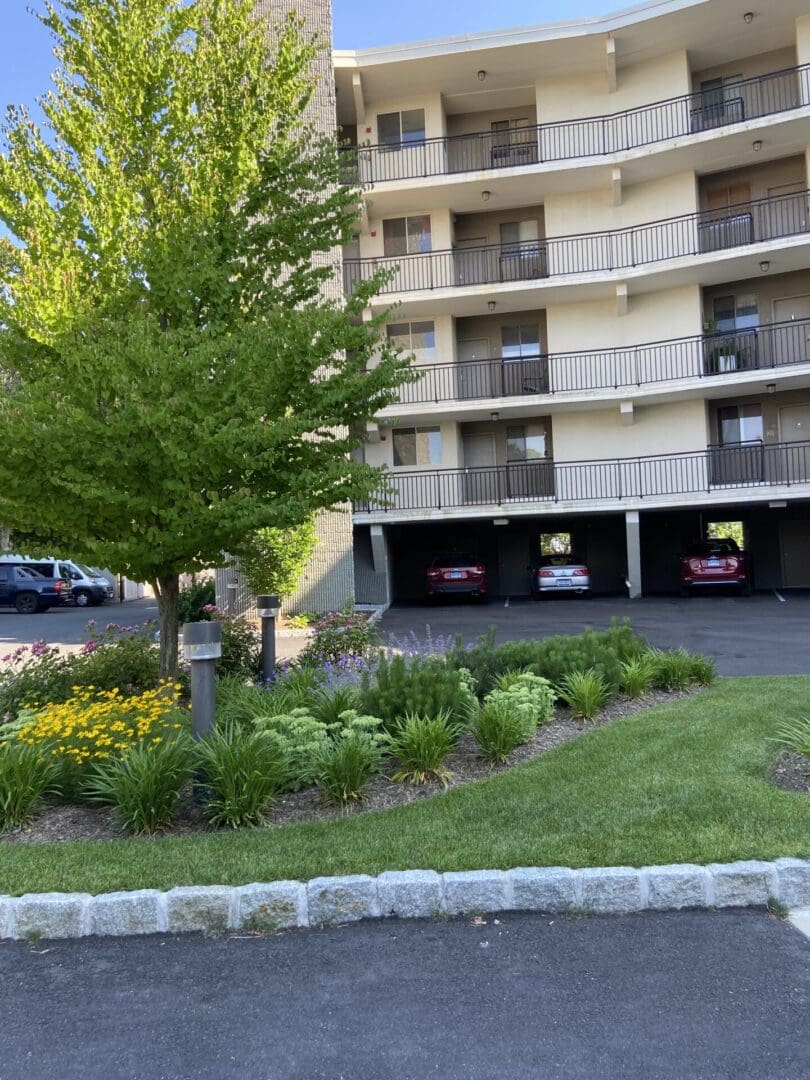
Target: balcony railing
(617, 249)
(718, 468)
(706, 355)
(567, 140)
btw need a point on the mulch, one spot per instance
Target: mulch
(57, 822)
(791, 772)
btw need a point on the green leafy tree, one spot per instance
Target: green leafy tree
(175, 378)
(274, 559)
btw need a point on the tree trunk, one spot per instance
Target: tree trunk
(167, 591)
(5, 539)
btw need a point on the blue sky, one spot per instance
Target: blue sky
(25, 48)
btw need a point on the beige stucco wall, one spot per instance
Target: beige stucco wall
(430, 102)
(803, 39)
(657, 429)
(762, 178)
(379, 451)
(650, 317)
(471, 123)
(751, 66)
(593, 211)
(767, 288)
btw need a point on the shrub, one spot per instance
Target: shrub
(673, 669)
(144, 786)
(26, 774)
(498, 731)
(638, 675)
(529, 697)
(242, 771)
(273, 560)
(302, 620)
(352, 756)
(240, 702)
(338, 635)
(421, 744)
(194, 599)
(586, 692)
(299, 738)
(241, 647)
(421, 685)
(327, 705)
(795, 735)
(702, 669)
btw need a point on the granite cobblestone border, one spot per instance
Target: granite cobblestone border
(325, 901)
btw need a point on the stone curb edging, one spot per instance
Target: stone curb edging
(280, 905)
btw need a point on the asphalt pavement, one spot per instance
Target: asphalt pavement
(686, 995)
(764, 634)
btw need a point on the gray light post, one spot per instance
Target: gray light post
(268, 608)
(230, 597)
(202, 647)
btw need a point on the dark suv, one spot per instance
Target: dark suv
(715, 562)
(28, 591)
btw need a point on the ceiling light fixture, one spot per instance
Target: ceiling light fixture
(756, 145)
(491, 305)
(482, 74)
(748, 17)
(771, 387)
(494, 416)
(764, 266)
(485, 195)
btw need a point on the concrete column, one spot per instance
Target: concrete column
(633, 533)
(381, 561)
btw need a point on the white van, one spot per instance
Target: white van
(90, 587)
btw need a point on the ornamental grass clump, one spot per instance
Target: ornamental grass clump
(145, 785)
(241, 771)
(498, 730)
(422, 685)
(353, 755)
(585, 692)
(673, 669)
(420, 744)
(638, 675)
(795, 735)
(26, 774)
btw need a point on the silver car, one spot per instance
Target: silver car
(558, 574)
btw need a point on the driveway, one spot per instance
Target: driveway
(653, 997)
(756, 635)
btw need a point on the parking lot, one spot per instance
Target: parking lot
(764, 634)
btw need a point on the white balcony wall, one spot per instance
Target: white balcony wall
(408, 161)
(599, 435)
(379, 450)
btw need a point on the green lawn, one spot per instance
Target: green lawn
(683, 782)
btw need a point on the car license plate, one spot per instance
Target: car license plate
(712, 562)
(563, 582)
(456, 575)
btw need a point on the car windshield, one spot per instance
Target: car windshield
(455, 558)
(86, 570)
(714, 547)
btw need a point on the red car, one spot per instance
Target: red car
(715, 562)
(456, 573)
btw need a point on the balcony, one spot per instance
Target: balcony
(717, 471)
(704, 356)
(705, 232)
(597, 136)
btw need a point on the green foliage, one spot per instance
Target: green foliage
(795, 735)
(328, 705)
(166, 239)
(498, 730)
(551, 658)
(241, 647)
(421, 744)
(673, 669)
(194, 599)
(351, 757)
(273, 560)
(339, 635)
(302, 620)
(26, 774)
(702, 669)
(144, 786)
(423, 685)
(241, 771)
(638, 675)
(528, 697)
(585, 692)
(300, 739)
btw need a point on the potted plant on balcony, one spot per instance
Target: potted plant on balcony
(725, 352)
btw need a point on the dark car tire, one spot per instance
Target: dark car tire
(82, 598)
(27, 603)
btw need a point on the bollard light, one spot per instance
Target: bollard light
(202, 647)
(230, 597)
(268, 608)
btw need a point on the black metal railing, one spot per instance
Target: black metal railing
(566, 140)
(616, 249)
(743, 465)
(706, 355)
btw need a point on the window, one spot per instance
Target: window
(418, 338)
(721, 100)
(735, 313)
(555, 543)
(525, 442)
(505, 132)
(739, 424)
(726, 530)
(417, 446)
(398, 129)
(516, 233)
(517, 341)
(407, 236)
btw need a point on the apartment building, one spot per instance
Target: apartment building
(599, 239)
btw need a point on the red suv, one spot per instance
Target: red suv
(456, 573)
(715, 562)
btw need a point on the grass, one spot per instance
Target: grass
(684, 782)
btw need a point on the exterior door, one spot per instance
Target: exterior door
(473, 261)
(790, 344)
(474, 372)
(483, 487)
(513, 561)
(794, 429)
(795, 544)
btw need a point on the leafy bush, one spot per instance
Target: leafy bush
(273, 560)
(352, 756)
(242, 770)
(241, 647)
(302, 620)
(529, 697)
(421, 744)
(300, 739)
(240, 702)
(795, 735)
(586, 692)
(194, 599)
(327, 705)
(702, 669)
(421, 685)
(338, 635)
(673, 669)
(498, 731)
(144, 786)
(638, 675)
(552, 658)
(26, 774)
